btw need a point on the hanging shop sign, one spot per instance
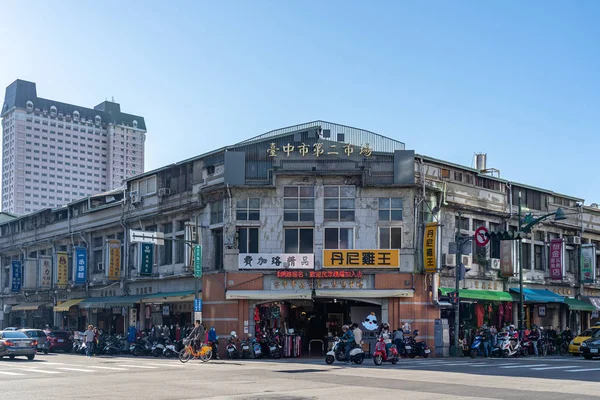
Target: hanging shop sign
(507, 258)
(276, 261)
(147, 258)
(45, 272)
(62, 269)
(17, 276)
(113, 260)
(561, 291)
(590, 292)
(80, 265)
(430, 264)
(588, 263)
(319, 274)
(556, 259)
(319, 149)
(299, 284)
(361, 258)
(477, 284)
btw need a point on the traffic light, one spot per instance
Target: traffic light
(505, 235)
(453, 298)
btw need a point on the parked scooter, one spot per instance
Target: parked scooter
(414, 348)
(384, 354)
(256, 348)
(170, 349)
(475, 346)
(274, 345)
(245, 348)
(337, 352)
(231, 349)
(507, 347)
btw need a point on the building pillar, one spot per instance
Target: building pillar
(563, 317)
(142, 316)
(515, 316)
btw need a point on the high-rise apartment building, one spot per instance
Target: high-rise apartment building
(54, 153)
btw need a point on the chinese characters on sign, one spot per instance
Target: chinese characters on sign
(361, 258)
(276, 261)
(80, 265)
(197, 261)
(147, 258)
(319, 274)
(319, 149)
(588, 263)
(45, 267)
(114, 260)
(430, 247)
(556, 259)
(62, 269)
(17, 276)
(507, 265)
(307, 284)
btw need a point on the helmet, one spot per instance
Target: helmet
(345, 328)
(512, 326)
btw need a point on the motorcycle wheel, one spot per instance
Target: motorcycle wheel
(473, 353)
(412, 355)
(395, 361)
(156, 352)
(277, 355)
(329, 360)
(425, 355)
(137, 352)
(505, 354)
(360, 359)
(377, 360)
(168, 353)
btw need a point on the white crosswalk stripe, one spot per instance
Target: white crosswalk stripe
(524, 366)
(559, 367)
(108, 368)
(583, 370)
(41, 371)
(137, 366)
(10, 373)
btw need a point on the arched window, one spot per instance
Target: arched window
(29, 105)
(75, 115)
(97, 119)
(135, 123)
(52, 110)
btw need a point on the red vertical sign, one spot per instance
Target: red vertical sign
(556, 259)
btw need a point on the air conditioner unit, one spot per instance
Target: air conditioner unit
(450, 260)
(133, 193)
(466, 260)
(494, 263)
(574, 240)
(100, 267)
(136, 199)
(164, 191)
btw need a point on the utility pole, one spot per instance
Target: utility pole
(460, 242)
(521, 295)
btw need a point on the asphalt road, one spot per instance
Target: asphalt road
(69, 377)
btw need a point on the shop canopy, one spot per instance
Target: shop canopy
(29, 306)
(579, 305)
(268, 295)
(109, 302)
(168, 297)
(368, 294)
(474, 294)
(65, 305)
(539, 295)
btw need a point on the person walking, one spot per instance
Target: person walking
(494, 335)
(399, 341)
(89, 340)
(213, 339)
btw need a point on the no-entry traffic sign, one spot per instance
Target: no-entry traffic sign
(481, 236)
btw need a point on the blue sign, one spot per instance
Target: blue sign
(197, 305)
(17, 276)
(80, 265)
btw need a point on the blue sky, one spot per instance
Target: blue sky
(517, 80)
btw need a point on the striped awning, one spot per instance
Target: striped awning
(65, 305)
(29, 306)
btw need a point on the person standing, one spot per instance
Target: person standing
(89, 340)
(357, 334)
(534, 336)
(494, 335)
(486, 341)
(213, 339)
(399, 341)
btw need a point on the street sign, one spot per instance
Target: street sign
(482, 236)
(198, 261)
(197, 305)
(156, 238)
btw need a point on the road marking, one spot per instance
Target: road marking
(166, 365)
(561, 367)
(41, 371)
(76, 369)
(10, 373)
(479, 365)
(524, 366)
(136, 366)
(53, 363)
(583, 370)
(110, 368)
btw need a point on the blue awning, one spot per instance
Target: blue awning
(539, 295)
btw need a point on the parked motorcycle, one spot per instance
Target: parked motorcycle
(245, 348)
(383, 353)
(475, 346)
(274, 345)
(257, 348)
(505, 347)
(231, 350)
(337, 352)
(414, 348)
(170, 349)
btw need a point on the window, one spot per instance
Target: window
(299, 240)
(538, 257)
(526, 256)
(458, 176)
(390, 238)
(339, 203)
(529, 198)
(298, 203)
(248, 240)
(216, 212)
(339, 238)
(390, 209)
(571, 260)
(461, 223)
(248, 209)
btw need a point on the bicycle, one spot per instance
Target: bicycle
(204, 354)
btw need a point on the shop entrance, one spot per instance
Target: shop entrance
(318, 320)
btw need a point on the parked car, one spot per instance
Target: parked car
(40, 336)
(15, 343)
(59, 340)
(574, 346)
(591, 347)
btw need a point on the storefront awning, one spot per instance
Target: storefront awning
(595, 301)
(268, 295)
(579, 305)
(169, 297)
(109, 302)
(28, 306)
(474, 294)
(540, 296)
(65, 305)
(365, 294)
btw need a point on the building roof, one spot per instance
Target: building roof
(20, 92)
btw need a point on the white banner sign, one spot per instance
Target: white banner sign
(30, 277)
(276, 261)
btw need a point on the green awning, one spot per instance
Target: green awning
(474, 294)
(169, 297)
(579, 305)
(109, 302)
